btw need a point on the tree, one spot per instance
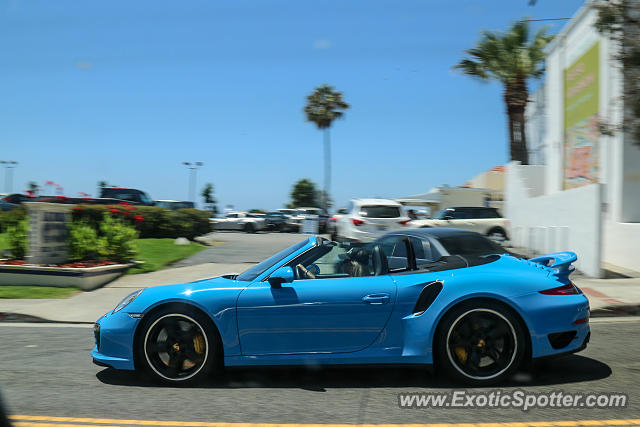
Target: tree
(258, 211)
(620, 21)
(324, 106)
(304, 193)
(510, 58)
(101, 185)
(33, 188)
(209, 198)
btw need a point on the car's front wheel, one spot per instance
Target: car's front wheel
(177, 346)
(481, 344)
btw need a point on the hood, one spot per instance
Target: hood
(217, 287)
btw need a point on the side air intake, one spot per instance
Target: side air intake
(427, 296)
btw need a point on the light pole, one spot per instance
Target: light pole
(8, 180)
(193, 169)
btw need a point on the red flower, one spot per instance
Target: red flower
(138, 217)
(77, 208)
(113, 210)
(130, 207)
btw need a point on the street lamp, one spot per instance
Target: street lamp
(8, 180)
(193, 169)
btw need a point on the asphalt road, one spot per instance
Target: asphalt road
(238, 248)
(47, 371)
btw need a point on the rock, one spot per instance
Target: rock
(182, 241)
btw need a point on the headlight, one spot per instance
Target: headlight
(127, 300)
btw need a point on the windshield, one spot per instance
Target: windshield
(443, 213)
(258, 269)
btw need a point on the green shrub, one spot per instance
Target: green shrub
(149, 221)
(117, 240)
(17, 236)
(11, 217)
(84, 243)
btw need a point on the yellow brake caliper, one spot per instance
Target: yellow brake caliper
(461, 353)
(198, 344)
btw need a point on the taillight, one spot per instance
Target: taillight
(405, 222)
(569, 289)
(333, 219)
(357, 222)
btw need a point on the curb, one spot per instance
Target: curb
(617, 310)
(26, 318)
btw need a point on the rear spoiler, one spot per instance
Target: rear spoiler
(560, 262)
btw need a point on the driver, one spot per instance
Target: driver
(358, 263)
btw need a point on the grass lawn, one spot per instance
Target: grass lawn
(4, 243)
(36, 292)
(157, 253)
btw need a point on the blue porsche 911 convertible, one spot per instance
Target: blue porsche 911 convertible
(451, 298)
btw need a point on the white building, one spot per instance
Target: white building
(586, 196)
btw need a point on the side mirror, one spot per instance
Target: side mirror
(448, 217)
(280, 276)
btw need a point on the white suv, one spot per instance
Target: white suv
(368, 219)
(484, 220)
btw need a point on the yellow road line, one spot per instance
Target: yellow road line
(46, 421)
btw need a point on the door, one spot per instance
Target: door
(331, 313)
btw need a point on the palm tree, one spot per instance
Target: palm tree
(510, 58)
(324, 106)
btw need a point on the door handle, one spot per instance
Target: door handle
(376, 299)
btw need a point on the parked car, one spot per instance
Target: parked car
(368, 219)
(278, 221)
(17, 198)
(487, 221)
(475, 318)
(332, 221)
(239, 221)
(131, 195)
(174, 204)
(323, 218)
(6, 206)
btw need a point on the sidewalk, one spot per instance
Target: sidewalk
(607, 296)
(87, 307)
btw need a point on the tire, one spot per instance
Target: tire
(480, 343)
(498, 234)
(179, 336)
(249, 228)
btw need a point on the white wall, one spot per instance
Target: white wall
(567, 220)
(621, 245)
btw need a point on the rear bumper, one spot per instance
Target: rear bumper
(551, 320)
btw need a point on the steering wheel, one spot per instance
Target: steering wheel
(303, 270)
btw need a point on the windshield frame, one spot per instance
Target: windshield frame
(264, 268)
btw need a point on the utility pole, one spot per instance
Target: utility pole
(8, 179)
(193, 169)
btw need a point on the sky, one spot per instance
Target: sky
(125, 91)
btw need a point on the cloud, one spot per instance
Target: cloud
(321, 44)
(84, 65)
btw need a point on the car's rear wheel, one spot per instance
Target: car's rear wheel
(249, 228)
(178, 346)
(481, 344)
(497, 234)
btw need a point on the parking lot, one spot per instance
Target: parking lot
(239, 247)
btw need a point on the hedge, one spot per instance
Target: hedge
(149, 221)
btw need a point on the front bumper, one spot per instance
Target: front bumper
(114, 335)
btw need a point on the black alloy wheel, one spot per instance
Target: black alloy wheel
(481, 345)
(178, 347)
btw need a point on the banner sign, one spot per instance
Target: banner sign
(581, 96)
